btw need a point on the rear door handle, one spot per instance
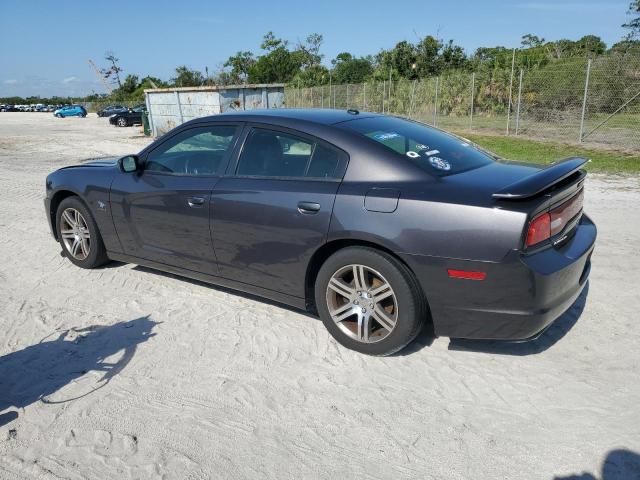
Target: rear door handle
(195, 202)
(308, 207)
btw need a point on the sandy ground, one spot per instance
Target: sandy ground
(124, 372)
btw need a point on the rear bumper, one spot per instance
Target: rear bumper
(520, 297)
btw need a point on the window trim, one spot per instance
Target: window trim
(223, 163)
(232, 168)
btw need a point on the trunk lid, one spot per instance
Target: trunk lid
(554, 191)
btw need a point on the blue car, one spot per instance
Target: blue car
(70, 111)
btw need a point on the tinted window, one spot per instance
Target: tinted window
(198, 151)
(435, 151)
(268, 153)
(325, 162)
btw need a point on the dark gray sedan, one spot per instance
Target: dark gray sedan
(376, 223)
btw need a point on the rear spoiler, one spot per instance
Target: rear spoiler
(540, 181)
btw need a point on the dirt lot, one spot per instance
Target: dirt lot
(124, 372)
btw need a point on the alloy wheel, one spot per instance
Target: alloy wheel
(362, 303)
(75, 233)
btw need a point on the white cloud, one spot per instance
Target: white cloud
(10, 82)
(70, 79)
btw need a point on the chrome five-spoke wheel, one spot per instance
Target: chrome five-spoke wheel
(362, 303)
(75, 233)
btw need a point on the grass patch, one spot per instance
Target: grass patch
(606, 161)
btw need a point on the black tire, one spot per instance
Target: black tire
(97, 253)
(122, 122)
(412, 310)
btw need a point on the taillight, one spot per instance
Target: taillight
(539, 229)
(563, 214)
(548, 224)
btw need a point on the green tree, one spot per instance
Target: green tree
(311, 76)
(453, 57)
(310, 50)
(531, 41)
(428, 50)
(278, 65)
(129, 85)
(185, 77)
(270, 42)
(240, 64)
(348, 69)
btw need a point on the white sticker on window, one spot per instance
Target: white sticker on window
(439, 163)
(381, 137)
(421, 146)
(432, 152)
(412, 154)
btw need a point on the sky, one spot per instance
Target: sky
(45, 45)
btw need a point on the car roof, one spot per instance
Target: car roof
(323, 116)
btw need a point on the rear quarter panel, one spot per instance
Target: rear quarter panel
(423, 224)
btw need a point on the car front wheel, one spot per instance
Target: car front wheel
(79, 235)
(369, 301)
(122, 122)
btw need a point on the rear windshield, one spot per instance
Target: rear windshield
(433, 150)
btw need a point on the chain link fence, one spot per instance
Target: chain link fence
(595, 102)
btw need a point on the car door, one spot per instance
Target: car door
(162, 213)
(272, 210)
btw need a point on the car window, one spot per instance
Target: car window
(269, 153)
(197, 151)
(325, 162)
(433, 150)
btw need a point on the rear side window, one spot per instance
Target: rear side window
(269, 153)
(433, 150)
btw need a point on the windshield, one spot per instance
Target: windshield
(435, 151)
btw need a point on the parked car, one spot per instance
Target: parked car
(111, 110)
(71, 111)
(131, 117)
(378, 224)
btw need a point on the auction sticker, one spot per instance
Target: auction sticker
(439, 163)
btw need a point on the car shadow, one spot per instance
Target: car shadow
(38, 372)
(620, 464)
(547, 339)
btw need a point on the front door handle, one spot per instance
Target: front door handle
(308, 207)
(195, 202)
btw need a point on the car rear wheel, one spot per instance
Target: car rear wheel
(122, 122)
(79, 235)
(369, 301)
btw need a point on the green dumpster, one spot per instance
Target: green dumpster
(145, 123)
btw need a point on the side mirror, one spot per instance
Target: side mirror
(129, 164)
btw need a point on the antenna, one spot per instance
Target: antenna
(107, 87)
